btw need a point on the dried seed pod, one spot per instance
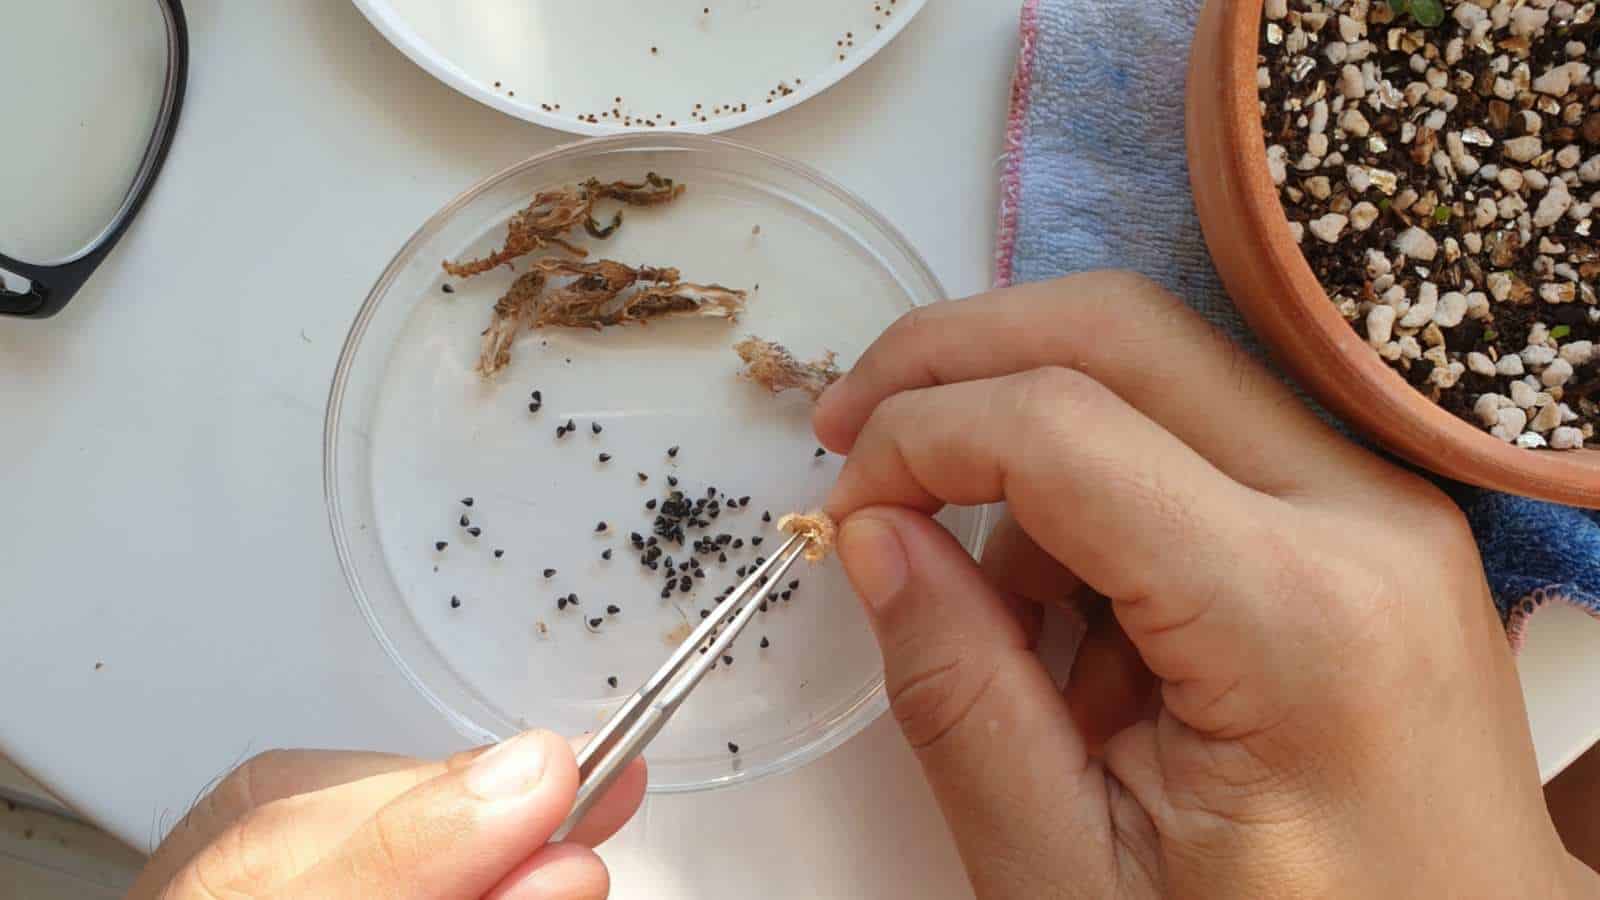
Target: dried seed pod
(586, 301)
(512, 313)
(818, 529)
(553, 214)
(772, 366)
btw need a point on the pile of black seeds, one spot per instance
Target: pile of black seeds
(1442, 183)
(683, 540)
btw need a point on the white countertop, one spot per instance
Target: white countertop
(162, 479)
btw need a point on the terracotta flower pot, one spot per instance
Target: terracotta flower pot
(1278, 294)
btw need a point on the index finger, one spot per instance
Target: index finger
(1131, 336)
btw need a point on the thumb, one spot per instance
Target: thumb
(987, 723)
(463, 832)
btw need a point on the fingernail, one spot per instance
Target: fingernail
(875, 560)
(512, 769)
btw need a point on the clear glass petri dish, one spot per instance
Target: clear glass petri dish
(412, 431)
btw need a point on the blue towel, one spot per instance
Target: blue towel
(1096, 177)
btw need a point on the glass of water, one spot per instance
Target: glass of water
(88, 105)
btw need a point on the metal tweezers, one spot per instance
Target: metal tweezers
(641, 718)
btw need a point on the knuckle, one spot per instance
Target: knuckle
(1049, 400)
(933, 702)
(919, 324)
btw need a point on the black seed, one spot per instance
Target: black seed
(732, 747)
(704, 614)
(571, 426)
(534, 407)
(766, 517)
(784, 596)
(820, 453)
(447, 288)
(605, 457)
(612, 681)
(794, 585)
(549, 573)
(635, 537)
(465, 521)
(684, 583)
(537, 395)
(595, 427)
(727, 659)
(573, 599)
(672, 480)
(561, 432)
(643, 478)
(455, 602)
(499, 553)
(653, 565)
(650, 505)
(763, 606)
(765, 643)
(613, 609)
(737, 543)
(759, 561)
(440, 545)
(672, 452)
(599, 527)
(724, 538)
(561, 603)
(475, 531)
(711, 492)
(722, 557)
(741, 571)
(606, 555)
(755, 542)
(666, 593)
(595, 623)
(466, 501)
(744, 501)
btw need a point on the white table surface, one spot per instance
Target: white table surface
(162, 473)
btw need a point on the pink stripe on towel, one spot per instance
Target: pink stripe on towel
(1011, 181)
(1517, 621)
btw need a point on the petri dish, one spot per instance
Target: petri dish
(412, 431)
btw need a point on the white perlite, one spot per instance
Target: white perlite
(1362, 215)
(1566, 438)
(1556, 374)
(1328, 227)
(1578, 353)
(1416, 244)
(1553, 206)
(1380, 325)
(1509, 422)
(1523, 148)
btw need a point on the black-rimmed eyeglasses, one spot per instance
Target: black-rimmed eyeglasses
(91, 104)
